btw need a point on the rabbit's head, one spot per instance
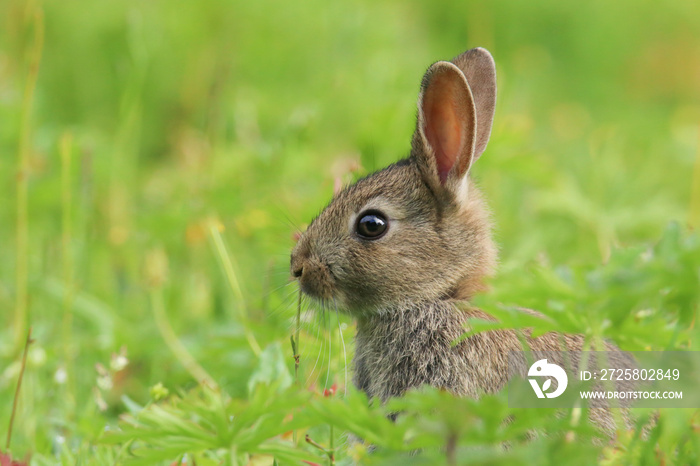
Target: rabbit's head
(417, 230)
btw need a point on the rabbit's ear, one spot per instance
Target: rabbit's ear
(480, 70)
(446, 134)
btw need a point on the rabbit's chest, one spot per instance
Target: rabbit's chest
(395, 354)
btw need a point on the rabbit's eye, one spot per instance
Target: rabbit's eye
(371, 225)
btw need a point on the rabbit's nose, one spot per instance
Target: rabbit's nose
(297, 264)
(297, 271)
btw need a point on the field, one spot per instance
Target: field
(158, 158)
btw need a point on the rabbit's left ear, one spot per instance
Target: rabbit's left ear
(446, 122)
(450, 135)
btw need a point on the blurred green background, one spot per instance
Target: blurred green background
(152, 121)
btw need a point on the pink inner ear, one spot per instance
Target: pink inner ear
(443, 128)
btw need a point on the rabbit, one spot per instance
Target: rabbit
(401, 248)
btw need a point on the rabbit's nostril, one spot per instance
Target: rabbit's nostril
(297, 272)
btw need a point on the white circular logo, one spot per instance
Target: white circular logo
(542, 368)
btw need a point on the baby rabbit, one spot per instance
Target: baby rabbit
(400, 247)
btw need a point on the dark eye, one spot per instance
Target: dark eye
(371, 225)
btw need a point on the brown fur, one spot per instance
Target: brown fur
(402, 287)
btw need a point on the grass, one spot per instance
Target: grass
(158, 158)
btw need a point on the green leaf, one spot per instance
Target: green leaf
(272, 368)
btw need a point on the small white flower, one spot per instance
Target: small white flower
(105, 383)
(118, 361)
(60, 376)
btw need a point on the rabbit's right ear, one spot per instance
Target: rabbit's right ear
(480, 70)
(455, 111)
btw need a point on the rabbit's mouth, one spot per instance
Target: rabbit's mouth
(315, 278)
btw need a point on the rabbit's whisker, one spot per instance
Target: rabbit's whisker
(330, 349)
(345, 354)
(309, 326)
(285, 304)
(318, 357)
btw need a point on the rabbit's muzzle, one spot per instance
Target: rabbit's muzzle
(314, 276)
